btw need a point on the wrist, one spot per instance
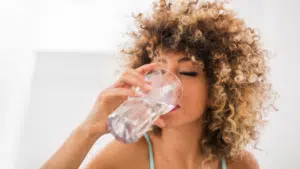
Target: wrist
(94, 129)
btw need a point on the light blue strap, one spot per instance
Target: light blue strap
(150, 151)
(151, 154)
(224, 163)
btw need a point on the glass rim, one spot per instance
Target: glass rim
(173, 74)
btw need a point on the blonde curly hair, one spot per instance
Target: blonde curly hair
(232, 58)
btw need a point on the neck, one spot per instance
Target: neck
(181, 145)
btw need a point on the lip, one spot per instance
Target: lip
(175, 108)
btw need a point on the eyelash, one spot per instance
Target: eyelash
(193, 74)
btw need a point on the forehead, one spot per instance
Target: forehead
(171, 55)
(180, 57)
(165, 57)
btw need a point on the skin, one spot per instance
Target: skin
(178, 145)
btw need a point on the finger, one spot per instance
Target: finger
(132, 79)
(114, 93)
(140, 77)
(146, 68)
(149, 83)
(160, 123)
(127, 74)
(136, 74)
(122, 92)
(125, 79)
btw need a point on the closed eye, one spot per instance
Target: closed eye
(189, 73)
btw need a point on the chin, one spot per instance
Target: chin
(172, 113)
(178, 118)
(173, 118)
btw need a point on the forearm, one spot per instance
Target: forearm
(71, 154)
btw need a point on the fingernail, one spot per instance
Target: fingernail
(148, 82)
(148, 87)
(138, 94)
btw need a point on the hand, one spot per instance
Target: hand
(110, 98)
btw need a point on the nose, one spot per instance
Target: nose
(172, 79)
(169, 66)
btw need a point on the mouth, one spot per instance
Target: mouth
(175, 108)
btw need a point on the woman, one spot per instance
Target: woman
(222, 69)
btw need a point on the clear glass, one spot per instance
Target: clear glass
(133, 118)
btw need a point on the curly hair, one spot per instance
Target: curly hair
(232, 57)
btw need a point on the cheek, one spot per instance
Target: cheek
(195, 98)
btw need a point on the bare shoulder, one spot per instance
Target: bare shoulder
(118, 155)
(246, 161)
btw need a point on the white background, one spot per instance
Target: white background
(57, 55)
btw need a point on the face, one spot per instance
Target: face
(193, 102)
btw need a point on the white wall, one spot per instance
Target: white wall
(64, 89)
(79, 25)
(92, 29)
(16, 67)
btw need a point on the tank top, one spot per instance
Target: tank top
(151, 159)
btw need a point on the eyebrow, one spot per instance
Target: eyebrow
(184, 59)
(181, 60)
